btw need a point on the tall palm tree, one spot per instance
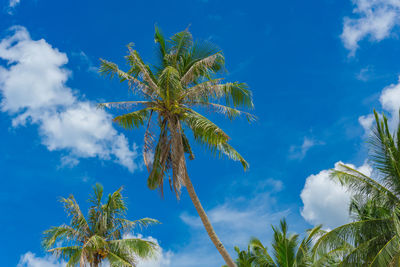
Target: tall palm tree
(374, 235)
(101, 236)
(287, 249)
(186, 77)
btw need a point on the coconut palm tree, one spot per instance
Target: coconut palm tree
(101, 236)
(287, 249)
(186, 76)
(374, 235)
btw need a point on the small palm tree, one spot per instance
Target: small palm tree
(287, 249)
(89, 242)
(374, 235)
(186, 77)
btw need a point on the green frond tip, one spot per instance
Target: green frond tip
(238, 94)
(231, 153)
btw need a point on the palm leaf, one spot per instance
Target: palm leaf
(202, 67)
(134, 119)
(362, 184)
(108, 68)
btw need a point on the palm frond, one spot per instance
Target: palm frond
(115, 205)
(231, 153)
(133, 119)
(202, 91)
(236, 95)
(141, 248)
(159, 39)
(158, 166)
(181, 43)
(98, 190)
(261, 255)
(348, 234)
(111, 69)
(78, 221)
(204, 130)
(125, 104)
(362, 184)
(388, 252)
(203, 67)
(120, 260)
(63, 233)
(303, 251)
(143, 70)
(169, 83)
(65, 252)
(186, 145)
(385, 153)
(230, 113)
(127, 225)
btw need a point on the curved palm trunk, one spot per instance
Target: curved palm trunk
(207, 224)
(180, 175)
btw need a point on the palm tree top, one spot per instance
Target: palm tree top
(186, 76)
(102, 235)
(373, 238)
(288, 250)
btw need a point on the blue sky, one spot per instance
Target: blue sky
(316, 68)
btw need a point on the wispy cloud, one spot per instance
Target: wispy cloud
(34, 91)
(365, 74)
(372, 18)
(12, 4)
(300, 151)
(86, 62)
(235, 221)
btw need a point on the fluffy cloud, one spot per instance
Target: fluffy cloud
(34, 91)
(29, 259)
(390, 101)
(326, 202)
(373, 18)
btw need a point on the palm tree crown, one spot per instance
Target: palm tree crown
(288, 250)
(373, 238)
(185, 77)
(101, 236)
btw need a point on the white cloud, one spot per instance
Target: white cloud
(390, 98)
(367, 122)
(29, 259)
(390, 101)
(299, 152)
(373, 18)
(325, 201)
(34, 91)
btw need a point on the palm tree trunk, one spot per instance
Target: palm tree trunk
(207, 224)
